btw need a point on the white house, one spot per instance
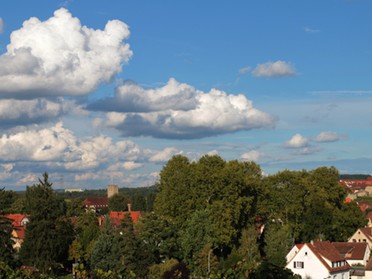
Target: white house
(319, 260)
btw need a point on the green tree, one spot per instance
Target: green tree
(105, 255)
(158, 234)
(7, 252)
(278, 242)
(118, 202)
(48, 234)
(75, 207)
(6, 200)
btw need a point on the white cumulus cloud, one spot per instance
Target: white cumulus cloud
(60, 56)
(178, 110)
(297, 141)
(329, 137)
(252, 155)
(274, 69)
(164, 155)
(59, 146)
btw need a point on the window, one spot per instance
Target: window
(354, 240)
(298, 264)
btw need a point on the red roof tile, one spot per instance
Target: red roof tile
(325, 249)
(351, 250)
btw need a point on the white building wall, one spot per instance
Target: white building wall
(313, 268)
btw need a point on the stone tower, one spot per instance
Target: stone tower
(112, 190)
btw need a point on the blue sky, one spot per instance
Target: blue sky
(98, 92)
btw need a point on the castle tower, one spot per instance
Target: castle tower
(112, 190)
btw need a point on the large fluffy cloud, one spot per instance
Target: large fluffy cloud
(178, 110)
(59, 145)
(59, 56)
(274, 69)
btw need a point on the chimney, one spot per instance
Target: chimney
(129, 207)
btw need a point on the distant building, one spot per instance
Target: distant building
(95, 204)
(112, 190)
(73, 190)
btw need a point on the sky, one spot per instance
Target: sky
(106, 92)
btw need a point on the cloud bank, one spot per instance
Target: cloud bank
(60, 57)
(179, 111)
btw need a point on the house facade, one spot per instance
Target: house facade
(319, 260)
(362, 235)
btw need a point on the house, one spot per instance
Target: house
(95, 204)
(368, 271)
(355, 253)
(116, 217)
(319, 260)
(369, 218)
(293, 251)
(19, 222)
(362, 235)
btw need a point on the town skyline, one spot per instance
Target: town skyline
(106, 93)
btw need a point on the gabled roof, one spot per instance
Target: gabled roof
(351, 250)
(17, 218)
(96, 202)
(325, 250)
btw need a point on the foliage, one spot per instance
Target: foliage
(268, 270)
(278, 242)
(48, 234)
(7, 252)
(75, 207)
(158, 236)
(6, 200)
(118, 202)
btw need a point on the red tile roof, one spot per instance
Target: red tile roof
(351, 250)
(325, 249)
(96, 202)
(16, 218)
(116, 217)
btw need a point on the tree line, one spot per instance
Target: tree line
(211, 219)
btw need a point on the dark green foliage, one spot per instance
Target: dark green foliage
(354, 176)
(118, 202)
(312, 205)
(6, 243)
(105, 253)
(6, 200)
(267, 270)
(158, 235)
(278, 242)
(75, 207)
(49, 233)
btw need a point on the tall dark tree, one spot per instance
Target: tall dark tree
(49, 233)
(6, 243)
(6, 200)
